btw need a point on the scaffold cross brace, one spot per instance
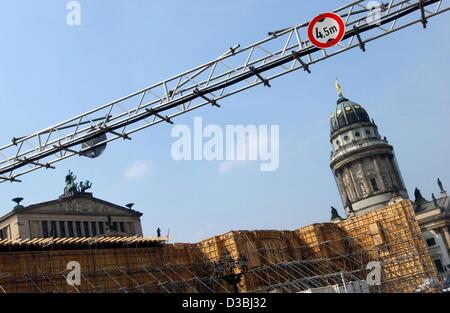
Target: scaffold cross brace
(304, 65)
(255, 71)
(164, 118)
(61, 148)
(124, 135)
(44, 165)
(212, 101)
(11, 179)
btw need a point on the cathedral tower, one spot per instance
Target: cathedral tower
(363, 163)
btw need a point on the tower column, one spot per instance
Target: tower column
(364, 176)
(377, 170)
(352, 184)
(341, 186)
(446, 235)
(393, 169)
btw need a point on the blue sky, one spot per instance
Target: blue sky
(50, 71)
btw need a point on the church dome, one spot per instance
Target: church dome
(347, 113)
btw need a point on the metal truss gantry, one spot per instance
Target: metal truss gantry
(238, 69)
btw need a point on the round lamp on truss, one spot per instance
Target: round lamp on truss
(96, 148)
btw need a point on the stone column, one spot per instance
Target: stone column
(377, 170)
(341, 186)
(393, 173)
(446, 236)
(352, 185)
(366, 181)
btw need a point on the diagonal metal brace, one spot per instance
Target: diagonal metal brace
(61, 148)
(124, 135)
(164, 118)
(45, 165)
(255, 71)
(11, 179)
(305, 66)
(362, 45)
(212, 101)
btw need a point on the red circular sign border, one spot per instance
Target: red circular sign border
(330, 44)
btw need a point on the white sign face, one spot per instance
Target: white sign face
(326, 30)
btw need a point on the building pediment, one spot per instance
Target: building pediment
(84, 204)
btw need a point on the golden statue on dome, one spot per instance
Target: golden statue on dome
(338, 88)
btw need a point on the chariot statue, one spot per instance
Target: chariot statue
(72, 187)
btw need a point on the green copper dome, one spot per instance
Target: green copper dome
(347, 113)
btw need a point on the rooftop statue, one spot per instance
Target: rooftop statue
(72, 187)
(83, 186)
(350, 206)
(338, 88)
(335, 214)
(441, 186)
(418, 195)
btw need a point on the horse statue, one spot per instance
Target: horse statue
(71, 186)
(83, 186)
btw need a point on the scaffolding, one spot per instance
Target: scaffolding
(313, 257)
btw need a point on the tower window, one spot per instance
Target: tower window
(358, 134)
(439, 266)
(5, 233)
(374, 184)
(431, 242)
(368, 132)
(346, 138)
(338, 142)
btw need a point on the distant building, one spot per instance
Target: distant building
(75, 214)
(434, 220)
(368, 177)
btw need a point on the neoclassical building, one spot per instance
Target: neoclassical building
(434, 220)
(368, 177)
(76, 213)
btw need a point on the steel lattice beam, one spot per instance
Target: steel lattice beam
(239, 69)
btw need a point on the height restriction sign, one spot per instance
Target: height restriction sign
(326, 30)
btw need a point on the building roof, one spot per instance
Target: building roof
(79, 243)
(426, 206)
(347, 113)
(67, 198)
